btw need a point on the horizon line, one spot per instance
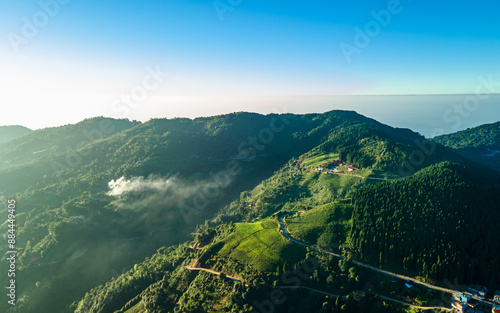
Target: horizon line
(343, 95)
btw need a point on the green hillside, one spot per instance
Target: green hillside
(484, 136)
(261, 246)
(8, 133)
(142, 289)
(480, 144)
(326, 226)
(291, 188)
(315, 161)
(376, 153)
(59, 140)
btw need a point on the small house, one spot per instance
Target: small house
(459, 307)
(465, 297)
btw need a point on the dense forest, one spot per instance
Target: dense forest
(436, 223)
(484, 136)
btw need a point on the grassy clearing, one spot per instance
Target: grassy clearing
(320, 159)
(327, 225)
(309, 179)
(260, 245)
(337, 185)
(334, 182)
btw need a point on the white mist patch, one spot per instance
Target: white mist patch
(157, 199)
(138, 184)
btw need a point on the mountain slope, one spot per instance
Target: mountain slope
(67, 219)
(484, 136)
(481, 144)
(295, 186)
(8, 133)
(436, 223)
(376, 152)
(58, 140)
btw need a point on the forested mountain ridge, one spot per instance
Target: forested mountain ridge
(67, 219)
(8, 133)
(484, 136)
(57, 140)
(480, 144)
(296, 187)
(114, 199)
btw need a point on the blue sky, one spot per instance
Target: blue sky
(89, 53)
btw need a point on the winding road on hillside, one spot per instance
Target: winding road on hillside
(283, 230)
(286, 234)
(193, 267)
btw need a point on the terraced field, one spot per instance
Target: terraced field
(260, 245)
(320, 159)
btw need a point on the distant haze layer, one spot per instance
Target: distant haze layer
(430, 115)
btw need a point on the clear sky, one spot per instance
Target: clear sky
(62, 61)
